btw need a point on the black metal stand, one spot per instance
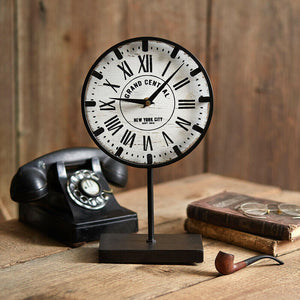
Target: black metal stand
(145, 249)
(151, 239)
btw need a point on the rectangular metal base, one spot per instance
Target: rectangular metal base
(133, 248)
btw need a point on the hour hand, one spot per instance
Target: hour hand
(132, 100)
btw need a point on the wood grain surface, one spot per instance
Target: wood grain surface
(254, 63)
(170, 202)
(250, 51)
(58, 42)
(42, 268)
(8, 132)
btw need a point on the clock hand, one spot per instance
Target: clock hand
(137, 101)
(152, 97)
(148, 101)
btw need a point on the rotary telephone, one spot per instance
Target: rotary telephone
(66, 194)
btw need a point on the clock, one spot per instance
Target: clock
(147, 102)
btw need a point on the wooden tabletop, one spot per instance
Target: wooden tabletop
(36, 267)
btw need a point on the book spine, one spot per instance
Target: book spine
(231, 236)
(240, 223)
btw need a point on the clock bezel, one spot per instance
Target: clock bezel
(147, 165)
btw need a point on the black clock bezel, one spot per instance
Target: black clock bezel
(147, 165)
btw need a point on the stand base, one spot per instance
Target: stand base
(133, 248)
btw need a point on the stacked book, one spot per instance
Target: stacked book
(223, 218)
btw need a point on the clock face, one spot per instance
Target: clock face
(147, 102)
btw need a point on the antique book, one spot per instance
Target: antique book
(241, 239)
(224, 209)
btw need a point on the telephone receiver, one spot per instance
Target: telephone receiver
(66, 194)
(31, 183)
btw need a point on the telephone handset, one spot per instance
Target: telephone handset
(66, 194)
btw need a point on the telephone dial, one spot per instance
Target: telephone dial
(66, 194)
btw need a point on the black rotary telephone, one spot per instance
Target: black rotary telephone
(66, 194)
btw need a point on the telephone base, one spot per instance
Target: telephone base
(64, 229)
(134, 249)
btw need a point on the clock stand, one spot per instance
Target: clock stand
(147, 102)
(150, 249)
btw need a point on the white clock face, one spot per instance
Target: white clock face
(147, 102)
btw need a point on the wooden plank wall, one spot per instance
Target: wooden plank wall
(254, 66)
(249, 49)
(8, 134)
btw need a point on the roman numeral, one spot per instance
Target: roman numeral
(181, 83)
(147, 143)
(113, 123)
(113, 86)
(167, 138)
(97, 75)
(186, 104)
(166, 68)
(182, 123)
(107, 105)
(128, 138)
(126, 69)
(146, 63)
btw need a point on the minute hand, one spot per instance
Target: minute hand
(137, 101)
(152, 97)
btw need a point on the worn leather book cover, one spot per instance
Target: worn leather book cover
(224, 209)
(241, 239)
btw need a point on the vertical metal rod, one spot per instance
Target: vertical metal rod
(151, 239)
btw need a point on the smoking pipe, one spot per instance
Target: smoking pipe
(225, 265)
